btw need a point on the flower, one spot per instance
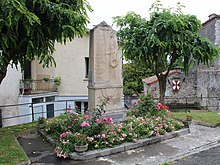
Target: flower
(96, 120)
(104, 119)
(63, 135)
(159, 105)
(86, 117)
(84, 124)
(110, 121)
(109, 98)
(68, 109)
(134, 103)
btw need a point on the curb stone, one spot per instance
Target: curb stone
(120, 148)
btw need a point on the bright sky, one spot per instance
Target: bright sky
(104, 10)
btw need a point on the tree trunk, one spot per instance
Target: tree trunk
(162, 87)
(2, 75)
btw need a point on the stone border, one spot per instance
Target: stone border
(120, 148)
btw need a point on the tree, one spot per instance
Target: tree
(168, 36)
(29, 29)
(133, 74)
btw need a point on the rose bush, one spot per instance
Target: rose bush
(147, 120)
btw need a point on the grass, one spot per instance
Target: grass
(206, 117)
(10, 151)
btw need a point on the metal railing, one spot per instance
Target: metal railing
(29, 112)
(37, 86)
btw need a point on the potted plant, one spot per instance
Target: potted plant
(57, 80)
(28, 86)
(41, 122)
(46, 79)
(81, 144)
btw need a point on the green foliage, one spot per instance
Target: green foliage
(100, 107)
(133, 74)
(166, 37)
(29, 29)
(57, 80)
(144, 106)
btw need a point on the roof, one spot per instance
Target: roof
(211, 17)
(153, 79)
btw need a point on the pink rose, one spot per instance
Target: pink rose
(96, 120)
(139, 100)
(68, 109)
(104, 119)
(63, 135)
(159, 105)
(86, 117)
(84, 124)
(110, 121)
(134, 103)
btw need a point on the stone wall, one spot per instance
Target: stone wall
(187, 88)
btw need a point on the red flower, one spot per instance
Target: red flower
(166, 107)
(134, 103)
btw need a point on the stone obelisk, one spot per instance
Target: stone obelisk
(105, 70)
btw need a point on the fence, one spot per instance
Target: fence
(28, 112)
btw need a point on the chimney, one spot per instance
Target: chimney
(212, 16)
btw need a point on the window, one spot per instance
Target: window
(86, 66)
(38, 100)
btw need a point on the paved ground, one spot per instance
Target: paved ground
(210, 156)
(187, 146)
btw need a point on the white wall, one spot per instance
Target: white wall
(9, 92)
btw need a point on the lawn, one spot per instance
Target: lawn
(10, 150)
(206, 117)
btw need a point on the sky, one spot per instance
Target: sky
(104, 10)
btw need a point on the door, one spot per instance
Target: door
(50, 110)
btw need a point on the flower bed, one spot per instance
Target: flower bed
(146, 121)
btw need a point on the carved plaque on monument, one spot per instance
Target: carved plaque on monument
(105, 69)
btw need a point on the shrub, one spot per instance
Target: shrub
(148, 120)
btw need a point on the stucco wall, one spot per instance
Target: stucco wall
(71, 67)
(9, 92)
